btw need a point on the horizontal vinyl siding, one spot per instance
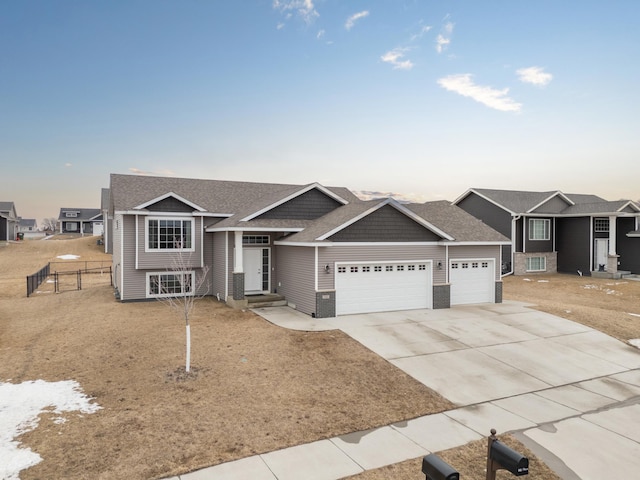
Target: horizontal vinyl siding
(219, 264)
(470, 251)
(133, 287)
(116, 258)
(295, 276)
(207, 246)
(377, 253)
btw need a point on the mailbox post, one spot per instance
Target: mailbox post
(499, 456)
(435, 468)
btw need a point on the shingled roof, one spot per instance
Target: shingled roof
(214, 196)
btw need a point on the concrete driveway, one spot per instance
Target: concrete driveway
(572, 394)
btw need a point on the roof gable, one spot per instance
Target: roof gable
(556, 203)
(169, 202)
(308, 203)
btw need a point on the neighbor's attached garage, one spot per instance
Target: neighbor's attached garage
(383, 287)
(472, 281)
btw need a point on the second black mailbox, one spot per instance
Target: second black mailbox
(435, 468)
(509, 459)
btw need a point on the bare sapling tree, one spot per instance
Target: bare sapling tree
(180, 287)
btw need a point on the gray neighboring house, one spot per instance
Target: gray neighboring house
(107, 219)
(28, 225)
(560, 232)
(322, 249)
(9, 221)
(81, 220)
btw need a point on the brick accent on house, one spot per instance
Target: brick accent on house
(498, 292)
(441, 296)
(238, 286)
(520, 263)
(326, 304)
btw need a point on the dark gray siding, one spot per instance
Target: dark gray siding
(555, 205)
(3, 229)
(219, 266)
(532, 246)
(573, 244)
(385, 225)
(308, 206)
(170, 204)
(492, 215)
(628, 247)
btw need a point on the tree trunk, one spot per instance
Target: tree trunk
(188, 365)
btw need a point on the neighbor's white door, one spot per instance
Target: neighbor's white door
(602, 253)
(253, 259)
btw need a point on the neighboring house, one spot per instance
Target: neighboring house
(324, 250)
(81, 220)
(560, 232)
(28, 225)
(9, 221)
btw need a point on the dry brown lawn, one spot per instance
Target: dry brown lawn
(255, 387)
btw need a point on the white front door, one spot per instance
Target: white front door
(256, 269)
(602, 253)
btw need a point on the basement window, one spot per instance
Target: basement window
(536, 264)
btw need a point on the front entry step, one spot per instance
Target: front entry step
(266, 300)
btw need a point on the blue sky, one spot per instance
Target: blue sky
(419, 98)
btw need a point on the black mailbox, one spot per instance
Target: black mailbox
(437, 469)
(509, 459)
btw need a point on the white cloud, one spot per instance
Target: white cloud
(492, 98)
(320, 34)
(535, 76)
(444, 39)
(356, 16)
(161, 173)
(420, 34)
(280, 26)
(303, 8)
(68, 164)
(394, 57)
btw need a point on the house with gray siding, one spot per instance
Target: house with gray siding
(321, 249)
(85, 221)
(560, 232)
(9, 221)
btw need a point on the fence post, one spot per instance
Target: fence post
(79, 279)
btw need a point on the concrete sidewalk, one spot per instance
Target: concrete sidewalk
(571, 393)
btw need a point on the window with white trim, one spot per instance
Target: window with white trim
(601, 225)
(539, 229)
(71, 214)
(169, 284)
(536, 264)
(170, 234)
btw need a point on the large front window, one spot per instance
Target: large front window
(169, 284)
(168, 234)
(539, 229)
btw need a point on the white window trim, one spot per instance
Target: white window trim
(170, 250)
(544, 264)
(547, 229)
(165, 272)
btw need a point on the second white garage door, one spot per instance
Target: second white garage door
(472, 281)
(382, 287)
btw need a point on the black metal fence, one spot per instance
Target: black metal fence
(64, 280)
(34, 281)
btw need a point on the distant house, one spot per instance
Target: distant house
(28, 225)
(560, 232)
(9, 221)
(81, 220)
(322, 249)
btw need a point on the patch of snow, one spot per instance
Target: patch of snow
(635, 342)
(634, 314)
(526, 279)
(20, 405)
(68, 256)
(543, 281)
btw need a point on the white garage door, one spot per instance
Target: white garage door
(472, 281)
(383, 287)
